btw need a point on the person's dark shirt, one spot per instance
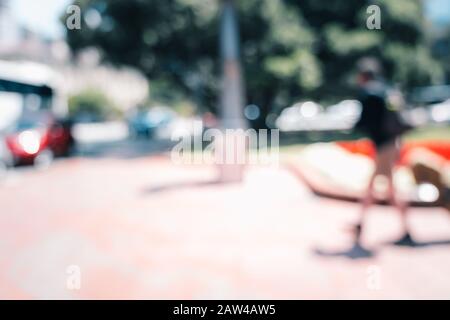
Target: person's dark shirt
(374, 110)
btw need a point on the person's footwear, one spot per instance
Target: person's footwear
(405, 241)
(358, 251)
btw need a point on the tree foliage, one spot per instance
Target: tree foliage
(91, 103)
(291, 50)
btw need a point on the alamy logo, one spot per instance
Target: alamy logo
(373, 21)
(73, 277)
(73, 21)
(374, 278)
(229, 146)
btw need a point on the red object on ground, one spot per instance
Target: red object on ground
(365, 147)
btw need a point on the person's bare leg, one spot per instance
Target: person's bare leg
(402, 208)
(366, 203)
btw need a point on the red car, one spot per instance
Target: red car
(38, 138)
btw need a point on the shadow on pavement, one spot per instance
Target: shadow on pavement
(181, 185)
(354, 253)
(419, 244)
(359, 252)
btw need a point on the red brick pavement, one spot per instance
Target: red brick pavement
(148, 229)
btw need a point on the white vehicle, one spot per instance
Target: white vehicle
(26, 89)
(29, 86)
(440, 112)
(310, 116)
(301, 116)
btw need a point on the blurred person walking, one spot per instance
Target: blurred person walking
(382, 124)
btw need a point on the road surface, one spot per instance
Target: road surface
(144, 228)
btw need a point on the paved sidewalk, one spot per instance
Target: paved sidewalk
(147, 229)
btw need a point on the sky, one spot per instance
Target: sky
(42, 15)
(438, 10)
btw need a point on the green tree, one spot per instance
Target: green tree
(291, 49)
(441, 49)
(342, 38)
(92, 103)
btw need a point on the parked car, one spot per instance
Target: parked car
(37, 138)
(311, 116)
(146, 122)
(5, 156)
(440, 112)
